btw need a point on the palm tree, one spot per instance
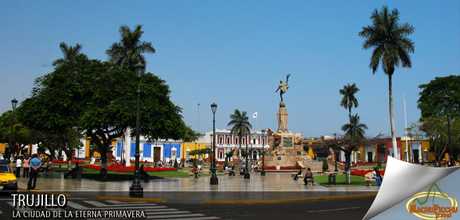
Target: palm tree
(349, 100)
(69, 53)
(354, 128)
(392, 48)
(128, 51)
(241, 125)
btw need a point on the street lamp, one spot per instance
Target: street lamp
(451, 153)
(335, 156)
(246, 172)
(263, 156)
(214, 180)
(136, 189)
(14, 102)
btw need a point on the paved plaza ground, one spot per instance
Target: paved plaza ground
(272, 188)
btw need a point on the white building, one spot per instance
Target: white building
(256, 142)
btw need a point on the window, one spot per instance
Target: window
(221, 140)
(228, 140)
(359, 156)
(221, 154)
(425, 156)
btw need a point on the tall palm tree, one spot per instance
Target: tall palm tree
(128, 51)
(241, 125)
(69, 53)
(391, 47)
(349, 100)
(354, 128)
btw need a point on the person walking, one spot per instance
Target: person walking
(18, 166)
(35, 165)
(25, 165)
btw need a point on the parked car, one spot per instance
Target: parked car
(7, 178)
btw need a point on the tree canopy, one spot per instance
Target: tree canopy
(128, 51)
(431, 101)
(349, 100)
(435, 129)
(99, 98)
(69, 52)
(240, 125)
(391, 47)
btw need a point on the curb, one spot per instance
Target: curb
(130, 199)
(285, 200)
(43, 192)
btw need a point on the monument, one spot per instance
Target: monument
(286, 149)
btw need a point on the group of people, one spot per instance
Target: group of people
(308, 175)
(30, 168)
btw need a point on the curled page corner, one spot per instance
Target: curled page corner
(395, 188)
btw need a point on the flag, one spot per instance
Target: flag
(254, 115)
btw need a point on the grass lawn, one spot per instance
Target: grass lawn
(340, 179)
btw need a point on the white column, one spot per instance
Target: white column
(127, 147)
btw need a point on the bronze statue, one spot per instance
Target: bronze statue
(283, 87)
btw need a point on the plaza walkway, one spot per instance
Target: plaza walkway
(272, 187)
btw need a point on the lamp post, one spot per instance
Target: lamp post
(451, 153)
(214, 180)
(246, 171)
(335, 156)
(263, 156)
(136, 189)
(14, 102)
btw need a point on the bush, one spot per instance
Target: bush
(325, 165)
(175, 163)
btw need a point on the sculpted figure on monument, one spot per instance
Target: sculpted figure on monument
(280, 151)
(298, 139)
(283, 87)
(274, 139)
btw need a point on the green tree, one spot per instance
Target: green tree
(190, 135)
(391, 47)
(69, 53)
(435, 129)
(349, 100)
(22, 136)
(431, 101)
(127, 52)
(98, 98)
(240, 125)
(348, 144)
(354, 128)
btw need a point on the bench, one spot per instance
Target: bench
(329, 173)
(310, 181)
(369, 180)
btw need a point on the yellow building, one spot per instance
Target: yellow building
(187, 147)
(419, 152)
(2, 148)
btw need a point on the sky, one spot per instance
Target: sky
(235, 53)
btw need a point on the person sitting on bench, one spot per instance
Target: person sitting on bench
(308, 175)
(195, 171)
(145, 174)
(231, 172)
(299, 173)
(73, 172)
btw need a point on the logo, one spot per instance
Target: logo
(434, 211)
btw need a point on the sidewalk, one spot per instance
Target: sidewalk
(270, 188)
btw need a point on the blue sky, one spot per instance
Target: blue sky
(235, 52)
